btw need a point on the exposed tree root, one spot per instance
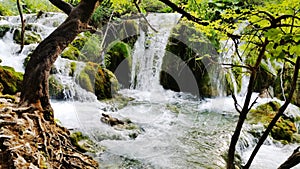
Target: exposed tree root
(27, 140)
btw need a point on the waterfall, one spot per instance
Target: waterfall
(149, 51)
(42, 25)
(72, 90)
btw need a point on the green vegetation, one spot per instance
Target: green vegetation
(285, 127)
(56, 89)
(29, 37)
(10, 80)
(3, 30)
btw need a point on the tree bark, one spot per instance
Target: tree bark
(292, 161)
(35, 83)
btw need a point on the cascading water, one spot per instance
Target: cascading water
(177, 129)
(43, 25)
(149, 51)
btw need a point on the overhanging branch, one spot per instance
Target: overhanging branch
(184, 13)
(62, 5)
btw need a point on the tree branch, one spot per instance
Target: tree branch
(62, 5)
(184, 13)
(292, 161)
(139, 10)
(22, 27)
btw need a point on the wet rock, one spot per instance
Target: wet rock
(118, 60)
(188, 62)
(285, 129)
(83, 143)
(98, 80)
(126, 124)
(29, 37)
(3, 30)
(56, 89)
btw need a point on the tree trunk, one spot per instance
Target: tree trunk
(35, 84)
(292, 161)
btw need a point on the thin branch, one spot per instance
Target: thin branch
(233, 65)
(22, 27)
(62, 5)
(237, 106)
(184, 13)
(252, 104)
(140, 11)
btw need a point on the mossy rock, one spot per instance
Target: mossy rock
(86, 77)
(80, 41)
(56, 89)
(72, 53)
(73, 66)
(190, 57)
(30, 37)
(10, 80)
(3, 30)
(26, 60)
(106, 84)
(118, 60)
(98, 80)
(83, 143)
(285, 127)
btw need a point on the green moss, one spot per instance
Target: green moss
(92, 49)
(87, 76)
(26, 60)
(56, 89)
(29, 37)
(284, 129)
(119, 53)
(85, 82)
(80, 41)
(76, 137)
(73, 68)
(106, 84)
(3, 30)
(71, 53)
(10, 80)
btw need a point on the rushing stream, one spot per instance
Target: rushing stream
(176, 130)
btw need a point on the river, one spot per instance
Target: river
(177, 130)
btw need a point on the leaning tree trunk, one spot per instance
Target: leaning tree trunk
(35, 84)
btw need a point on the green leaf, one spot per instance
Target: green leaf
(273, 34)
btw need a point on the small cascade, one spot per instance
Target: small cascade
(42, 25)
(149, 51)
(72, 90)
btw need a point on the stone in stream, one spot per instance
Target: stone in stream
(122, 125)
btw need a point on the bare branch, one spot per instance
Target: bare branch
(236, 104)
(184, 13)
(233, 65)
(252, 104)
(22, 27)
(138, 8)
(62, 5)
